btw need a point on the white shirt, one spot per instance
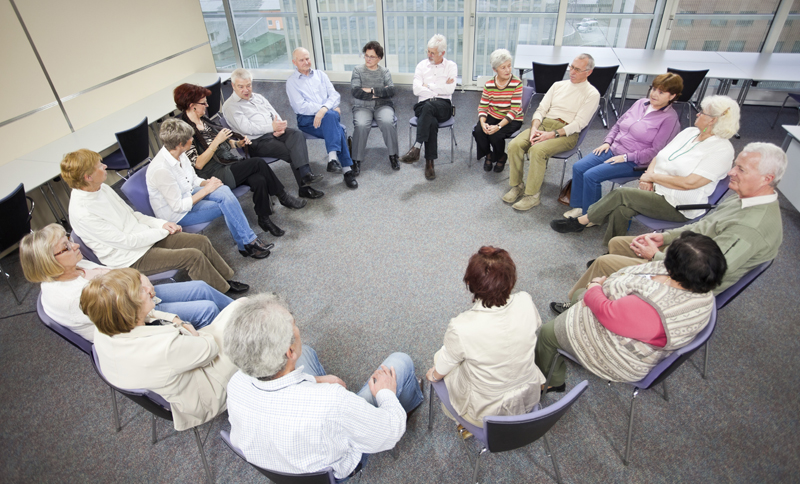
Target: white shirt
(61, 301)
(753, 201)
(308, 94)
(115, 233)
(170, 183)
(435, 76)
(295, 425)
(252, 118)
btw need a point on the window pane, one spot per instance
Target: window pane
(268, 32)
(218, 34)
(789, 40)
(740, 26)
(344, 27)
(605, 6)
(605, 23)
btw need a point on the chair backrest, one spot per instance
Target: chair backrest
(601, 78)
(691, 81)
(135, 143)
(566, 154)
(215, 99)
(508, 433)
(719, 191)
(72, 337)
(322, 477)
(545, 75)
(135, 190)
(527, 95)
(88, 253)
(15, 219)
(730, 293)
(671, 363)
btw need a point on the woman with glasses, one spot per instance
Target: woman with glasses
(372, 89)
(49, 257)
(685, 172)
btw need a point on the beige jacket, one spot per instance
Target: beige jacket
(488, 360)
(190, 372)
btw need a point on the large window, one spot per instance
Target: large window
(602, 23)
(344, 26)
(739, 26)
(789, 40)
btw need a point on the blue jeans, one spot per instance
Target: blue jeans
(588, 175)
(194, 302)
(330, 129)
(221, 202)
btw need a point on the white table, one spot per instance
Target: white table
(765, 66)
(790, 183)
(548, 54)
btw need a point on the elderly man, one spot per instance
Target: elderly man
(252, 115)
(121, 237)
(564, 111)
(434, 83)
(287, 415)
(316, 104)
(747, 227)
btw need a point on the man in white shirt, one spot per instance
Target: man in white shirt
(434, 83)
(121, 237)
(252, 115)
(316, 104)
(565, 110)
(288, 416)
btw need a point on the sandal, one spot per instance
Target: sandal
(487, 163)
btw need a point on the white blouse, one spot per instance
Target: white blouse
(170, 184)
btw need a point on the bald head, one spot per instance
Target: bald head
(301, 60)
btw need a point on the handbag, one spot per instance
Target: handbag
(566, 192)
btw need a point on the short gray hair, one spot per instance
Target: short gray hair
(773, 160)
(299, 49)
(589, 58)
(499, 57)
(258, 335)
(726, 110)
(438, 42)
(242, 74)
(175, 132)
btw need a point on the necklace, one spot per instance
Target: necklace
(675, 155)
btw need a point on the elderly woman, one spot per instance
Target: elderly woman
(499, 112)
(372, 88)
(685, 172)
(171, 359)
(633, 141)
(627, 323)
(178, 195)
(487, 358)
(213, 154)
(49, 257)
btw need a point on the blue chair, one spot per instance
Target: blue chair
(134, 148)
(527, 95)
(15, 218)
(412, 123)
(657, 375)
(89, 255)
(501, 434)
(713, 200)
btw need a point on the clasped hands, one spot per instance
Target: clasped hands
(538, 136)
(646, 246)
(383, 378)
(278, 127)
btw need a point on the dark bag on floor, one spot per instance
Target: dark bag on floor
(566, 192)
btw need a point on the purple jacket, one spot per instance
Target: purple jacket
(642, 137)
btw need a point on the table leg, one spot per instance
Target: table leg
(614, 93)
(60, 218)
(628, 78)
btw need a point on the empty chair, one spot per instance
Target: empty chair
(601, 78)
(501, 434)
(791, 95)
(215, 99)
(691, 81)
(89, 255)
(545, 75)
(134, 148)
(15, 220)
(713, 200)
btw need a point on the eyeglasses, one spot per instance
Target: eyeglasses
(371, 57)
(573, 68)
(706, 114)
(203, 104)
(68, 246)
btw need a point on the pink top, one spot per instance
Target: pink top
(628, 316)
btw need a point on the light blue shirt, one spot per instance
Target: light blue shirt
(308, 94)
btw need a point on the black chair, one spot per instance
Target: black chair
(601, 78)
(691, 81)
(215, 99)
(545, 75)
(134, 148)
(791, 95)
(15, 219)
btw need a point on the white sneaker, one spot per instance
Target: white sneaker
(512, 195)
(574, 213)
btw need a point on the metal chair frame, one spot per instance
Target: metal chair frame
(713, 199)
(602, 78)
(412, 123)
(791, 95)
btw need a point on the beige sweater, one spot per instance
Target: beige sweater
(574, 103)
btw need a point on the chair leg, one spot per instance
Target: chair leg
(452, 143)
(469, 159)
(705, 359)
(117, 426)
(431, 394)
(550, 373)
(202, 455)
(10, 286)
(563, 172)
(477, 465)
(625, 460)
(410, 140)
(552, 455)
(153, 420)
(602, 112)
(779, 113)
(666, 394)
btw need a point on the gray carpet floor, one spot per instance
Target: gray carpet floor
(378, 269)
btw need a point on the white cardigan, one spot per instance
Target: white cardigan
(170, 183)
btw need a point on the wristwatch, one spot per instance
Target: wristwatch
(556, 133)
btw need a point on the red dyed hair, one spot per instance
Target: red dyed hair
(187, 94)
(490, 276)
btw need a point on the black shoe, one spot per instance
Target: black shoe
(269, 226)
(559, 389)
(559, 308)
(393, 161)
(256, 250)
(308, 192)
(350, 179)
(487, 163)
(589, 264)
(565, 226)
(498, 167)
(356, 168)
(334, 167)
(310, 178)
(237, 287)
(289, 201)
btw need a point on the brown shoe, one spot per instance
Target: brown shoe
(430, 174)
(411, 156)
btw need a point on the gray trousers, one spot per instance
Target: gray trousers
(362, 118)
(290, 147)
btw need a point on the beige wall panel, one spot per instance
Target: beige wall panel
(21, 78)
(93, 105)
(31, 132)
(84, 43)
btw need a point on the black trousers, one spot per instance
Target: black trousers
(429, 114)
(497, 141)
(290, 147)
(262, 180)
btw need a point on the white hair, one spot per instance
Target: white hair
(499, 57)
(241, 74)
(589, 59)
(773, 160)
(726, 110)
(175, 132)
(438, 42)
